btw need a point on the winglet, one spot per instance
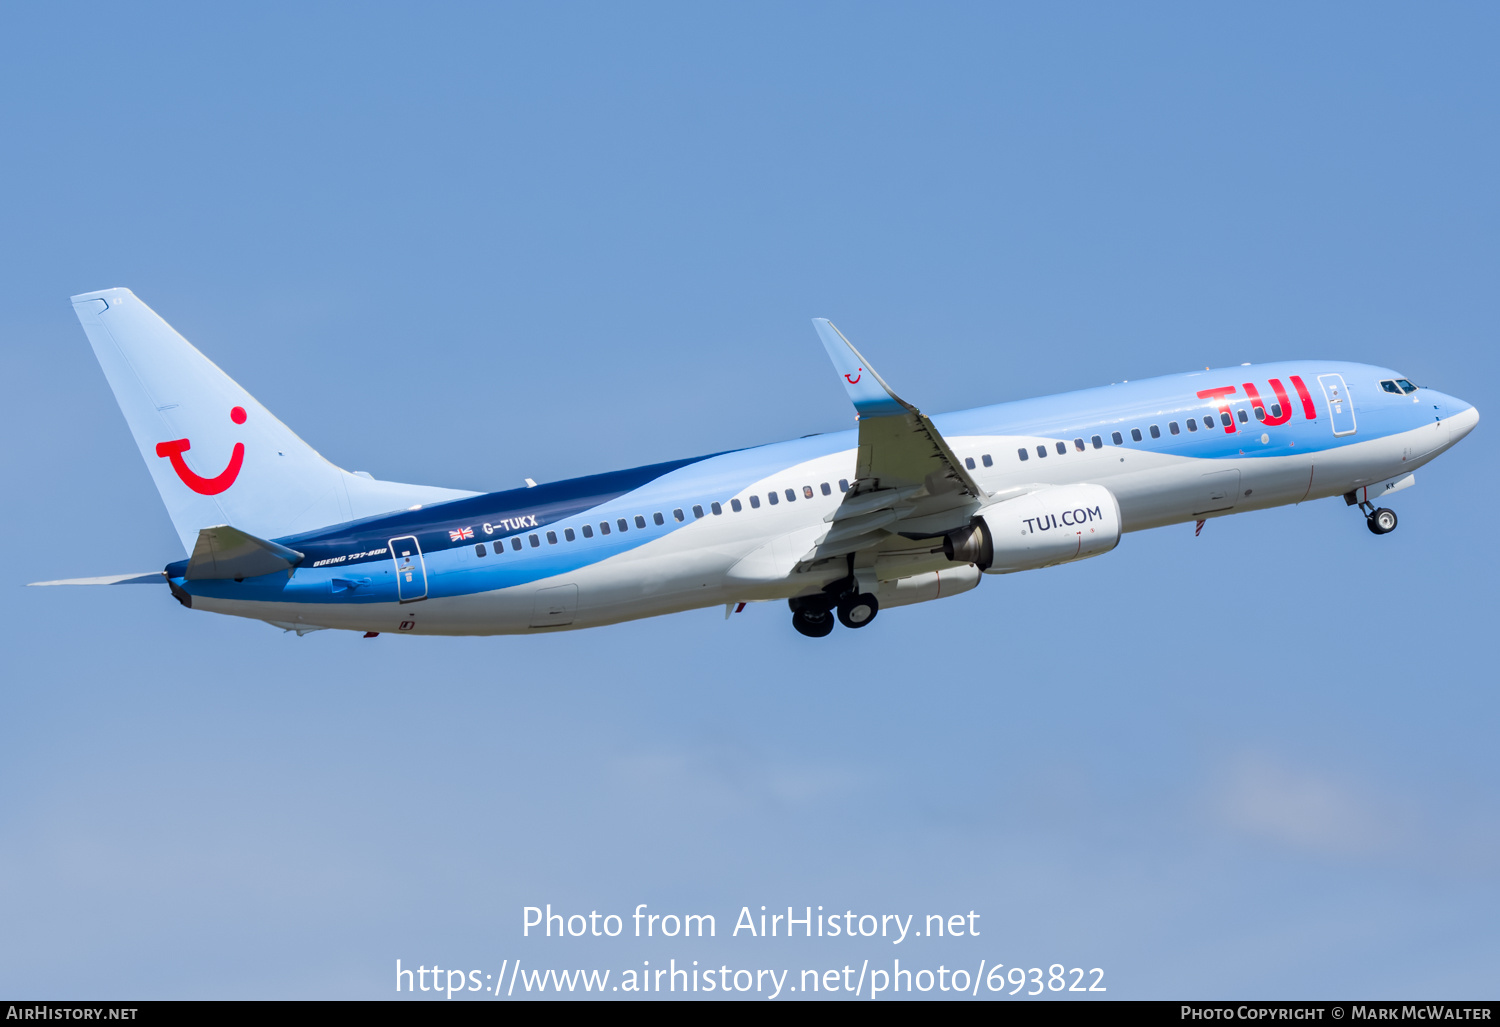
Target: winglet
(897, 444)
(869, 393)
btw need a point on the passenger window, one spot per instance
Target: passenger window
(1135, 435)
(622, 524)
(1406, 386)
(568, 534)
(1116, 438)
(1244, 417)
(1078, 445)
(755, 502)
(716, 508)
(1155, 432)
(791, 495)
(697, 511)
(826, 490)
(807, 492)
(640, 522)
(1023, 454)
(1062, 448)
(1391, 387)
(1192, 424)
(1041, 451)
(479, 550)
(1172, 427)
(515, 542)
(1275, 409)
(1098, 442)
(552, 538)
(773, 498)
(734, 504)
(588, 531)
(987, 461)
(843, 484)
(1226, 419)
(969, 462)
(657, 518)
(1260, 413)
(604, 527)
(678, 514)
(535, 542)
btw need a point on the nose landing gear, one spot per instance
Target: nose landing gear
(1379, 520)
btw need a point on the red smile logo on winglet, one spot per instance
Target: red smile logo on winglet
(859, 373)
(205, 486)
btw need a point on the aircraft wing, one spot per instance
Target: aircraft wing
(898, 445)
(907, 479)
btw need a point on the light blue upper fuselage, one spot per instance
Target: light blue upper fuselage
(448, 533)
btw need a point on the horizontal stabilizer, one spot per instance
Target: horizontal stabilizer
(225, 552)
(153, 578)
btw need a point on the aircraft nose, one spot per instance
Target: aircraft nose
(1462, 421)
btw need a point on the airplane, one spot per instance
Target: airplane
(904, 509)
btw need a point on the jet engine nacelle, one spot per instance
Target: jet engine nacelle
(1042, 528)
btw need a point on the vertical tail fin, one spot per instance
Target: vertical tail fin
(217, 456)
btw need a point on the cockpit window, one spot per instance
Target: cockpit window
(1406, 386)
(1391, 387)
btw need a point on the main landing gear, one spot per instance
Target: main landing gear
(855, 611)
(813, 615)
(814, 620)
(1379, 520)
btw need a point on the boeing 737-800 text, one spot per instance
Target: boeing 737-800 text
(905, 509)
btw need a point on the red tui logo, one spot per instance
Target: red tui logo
(1221, 397)
(205, 486)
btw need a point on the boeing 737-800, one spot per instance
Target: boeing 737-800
(905, 509)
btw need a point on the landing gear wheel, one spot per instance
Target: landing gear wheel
(813, 621)
(855, 611)
(1382, 521)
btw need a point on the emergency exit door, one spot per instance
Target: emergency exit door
(411, 571)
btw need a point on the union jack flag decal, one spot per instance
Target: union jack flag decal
(460, 534)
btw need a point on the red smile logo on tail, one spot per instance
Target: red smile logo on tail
(205, 486)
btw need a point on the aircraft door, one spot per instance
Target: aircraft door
(1340, 410)
(411, 570)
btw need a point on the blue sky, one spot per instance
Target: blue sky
(467, 245)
